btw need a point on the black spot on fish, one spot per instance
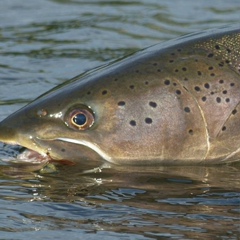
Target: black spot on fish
(217, 47)
(185, 79)
(176, 70)
(232, 84)
(137, 71)
(224, 128)
(104, 92)
(199, 73)
(187, 109)
(63, 149)
(89, 93)
(133, 123)
(190, 131)
(155, 64)
(221, 81)
(210, 68)
(218, 99)
(174, 84)
(234, 111)
(171, 61)
(204, 99)
(178, 92)
(184, 69)
(153, 104)
(167, 82)
(227, 61)
(228, 50)
(148, 120)
(227, 100)
(212, 93)
(146, 83)
(210, 55)
(224, 92)
(212, 74)
(116, 79)
(221, 64)
(121, 103)
(131, 86)
(206, 85)
(197, 89)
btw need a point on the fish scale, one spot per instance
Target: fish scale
(174, 103)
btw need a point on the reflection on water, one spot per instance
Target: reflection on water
(189, 202)
(43, 43)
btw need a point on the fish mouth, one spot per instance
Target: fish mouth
(32, 156)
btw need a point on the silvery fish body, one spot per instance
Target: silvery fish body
(174, 103)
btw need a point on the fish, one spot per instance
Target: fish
(175, 103)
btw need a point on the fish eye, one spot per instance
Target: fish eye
(81, 119)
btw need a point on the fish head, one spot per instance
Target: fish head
(107, 117)
(64, 124)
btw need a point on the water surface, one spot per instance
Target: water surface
(43, 43)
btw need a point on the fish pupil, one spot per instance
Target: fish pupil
(80, 119)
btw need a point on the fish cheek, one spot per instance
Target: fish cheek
(150, 126)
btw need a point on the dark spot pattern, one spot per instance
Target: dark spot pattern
(234, 111)
(148, 120)
(218, 99)
(190, 131)
(121, 103)
(167, 82)
(221, 81)
(206, 85)
(104, 92)
(133, 123)
(197, 88)
(153, 104)
(187, 109)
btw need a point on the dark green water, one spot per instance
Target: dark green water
(43, 43)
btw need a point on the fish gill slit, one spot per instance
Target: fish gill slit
(203, 117)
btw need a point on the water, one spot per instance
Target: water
(43, 43)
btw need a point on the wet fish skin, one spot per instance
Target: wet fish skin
(174, 103)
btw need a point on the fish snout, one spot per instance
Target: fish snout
(7, 133)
